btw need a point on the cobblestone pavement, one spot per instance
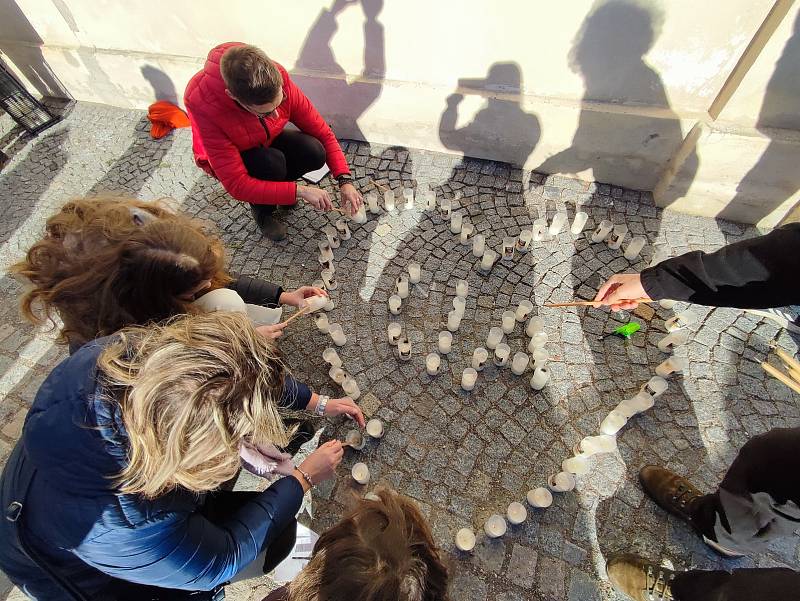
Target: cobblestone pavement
(462, 456)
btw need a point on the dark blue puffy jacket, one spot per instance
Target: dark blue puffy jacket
(89, 532)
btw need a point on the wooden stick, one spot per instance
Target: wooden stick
(297, 314)
(595, 303)
(377, 185)
(790, 362)
(775, 372)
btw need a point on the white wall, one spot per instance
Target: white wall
(604, 90)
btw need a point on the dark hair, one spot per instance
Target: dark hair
(249, 75)
(382, 551)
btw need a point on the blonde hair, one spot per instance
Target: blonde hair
(190, 391)
(250, 75)
(382, 551)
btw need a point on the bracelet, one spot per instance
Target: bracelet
(344, 179)
(306, 476)
(322, 402)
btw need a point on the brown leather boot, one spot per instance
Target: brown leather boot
(640, 579)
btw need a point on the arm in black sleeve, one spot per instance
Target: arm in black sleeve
(257, 292)
(753, 274)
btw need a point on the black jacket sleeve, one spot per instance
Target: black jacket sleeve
(753, 274)
(257, 292)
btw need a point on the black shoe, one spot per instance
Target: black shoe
(269, 224)
(305, 432)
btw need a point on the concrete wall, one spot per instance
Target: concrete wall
(605, 90)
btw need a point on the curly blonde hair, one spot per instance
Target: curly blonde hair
(190, 391)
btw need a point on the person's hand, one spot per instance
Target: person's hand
(351, 198)
(345, 406)
(296, 298)
(621, 292)
(321, 464)
(316, 197)
(272, 331)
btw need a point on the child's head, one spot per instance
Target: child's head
(382, 551)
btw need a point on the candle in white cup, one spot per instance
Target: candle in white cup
(329, 304)
(508, 320)
(478, 245)
(559, 220)
(332, 235)
(360, 473)
(337, 374)
(524, 241)
(343, 229)
(613, 423)
(388, 200)
(516, 513)
(404, 348)
(445, 342)
(445, 208)
(375, 428)
(467, 230)
(539, 497)
(678, 322)
(395, 304)
(655, 386)
(639, 403)
(456, 221)
(561, 482)
(540, 356)
(673, 339)
(468, 378)
(432, 363)
(408, 197)
(509, 245)
(617, 236)
(326, 264)
(539, 229)
(430, 199)
(401, 286)
(501, 354)
(634, 247)
(519, 363)
(579, 464)
(360, 216)
(672, 365)
(459, 305)
(523, 310)
(666, 303)
(495, 526)
(394, 331)
(592, 445)
(316, 302)
(325, 251)
(494, 338)
(414, 273)
(462, 288)
(372, 201)
(479, 357)
(465, 540)
(322, 323)
(331, 357)
(329, 279)
(535, 325)
(351, 389)
(540, 377)
(581, 217)
(355, 439)
(602, 230)
(538, 340)
(489, 257)
(454, 320)
(337, 334)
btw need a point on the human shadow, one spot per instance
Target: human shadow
(335, 95)
(502, 130)
(131, 171)
(775, 176)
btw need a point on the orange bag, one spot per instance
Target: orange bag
(164, 117)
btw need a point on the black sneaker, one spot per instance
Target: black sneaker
(269, 224)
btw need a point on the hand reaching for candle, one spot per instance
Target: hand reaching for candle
(351, 198)
(272, 331)
(620, 290)
(321, 464)
(345, 406)
(295, 298)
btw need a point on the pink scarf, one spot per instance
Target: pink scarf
(265, 459)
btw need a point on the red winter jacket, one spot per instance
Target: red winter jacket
(221, 129)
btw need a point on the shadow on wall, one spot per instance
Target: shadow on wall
(501, 130)
(162, 85)
(776, 171)
(27, 55)
(331, 95)
(624, 149)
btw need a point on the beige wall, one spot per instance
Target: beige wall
(606, 90)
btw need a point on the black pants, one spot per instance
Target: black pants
(756, 502)
(217, 507)
(292, 154)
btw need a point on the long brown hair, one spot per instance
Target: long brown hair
(107, 263)
(382, 551)
(190, 391)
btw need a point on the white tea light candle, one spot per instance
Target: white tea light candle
(465, 540)
(581, 217)
(331, 357)
(322, 323)
(539, 498)
(343, 229)
(519, 363)
(501, 354)
(355, 439)
(454, 320)
(430, 199)
(655, 386)
(559, 220)
(337, 334)
(579, 464)
(479, 357)
(414, 273)
(404, 348)
(375, 428)
(467, 230)
(516, 513)
(456, 221)
(494, 338)
(462, 288)
(445, 208)
(538, 340)
(351, 389)
(329, 279)
(459, 305)
(634, 247)
(602, 230)
(678, 322)
(508, 320)
(408, 197)
(388, 200)
(617, 236)
(315, 303)
(523, 310)
(432, 363)
(468, 378)
(489, 257)
(395, 304)
(360, 473)
(592, 445)
(561, 482)
(613, 423)
(360, 216)
(478, 245)
(540, 377)
(509, 245)
(672, 365)
(332, 235)
(372, 202)
(401, 286)
(495, 526)
(674, 339)
(540, 357)
(535, 325)
(337, 374)
(394, 330)
(445, 342)
(524, 241)
(666, 303)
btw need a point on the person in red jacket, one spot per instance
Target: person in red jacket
(238, 105)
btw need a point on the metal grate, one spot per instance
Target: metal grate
(15, 100)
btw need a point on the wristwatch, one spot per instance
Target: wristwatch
(344, 178)
(322, 402)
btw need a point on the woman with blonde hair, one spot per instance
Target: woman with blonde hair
(112, 491)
